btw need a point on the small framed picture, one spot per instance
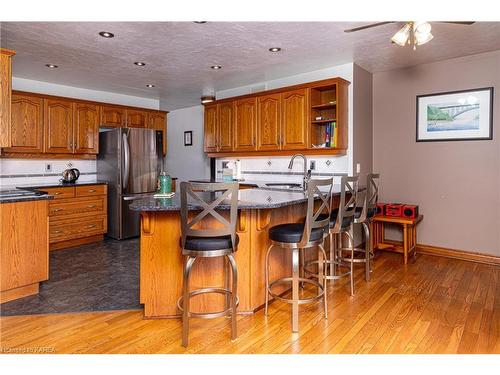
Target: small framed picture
(455, 116)
(188, 138)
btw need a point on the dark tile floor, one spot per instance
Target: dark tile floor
(95, 277)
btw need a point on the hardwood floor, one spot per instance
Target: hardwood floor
(433, 305)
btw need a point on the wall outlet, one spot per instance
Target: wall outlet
(312, 165)
(358, 168)
(225, 164)
(48, 167)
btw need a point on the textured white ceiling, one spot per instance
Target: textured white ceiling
(179, 54)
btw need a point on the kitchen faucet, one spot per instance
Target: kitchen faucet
(307, 173)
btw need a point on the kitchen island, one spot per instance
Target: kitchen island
(161, 262)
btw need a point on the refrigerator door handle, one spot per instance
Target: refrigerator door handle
(126, 158)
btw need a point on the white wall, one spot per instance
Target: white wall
(23, 84)
(186, 162)
(17, 172)
(341, 164)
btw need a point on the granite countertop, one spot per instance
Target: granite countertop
(38, 186)
(247, 199)
(35, 196)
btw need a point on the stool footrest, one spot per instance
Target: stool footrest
(355, 260)
(300, 301)
(328, 277)
(208, 315)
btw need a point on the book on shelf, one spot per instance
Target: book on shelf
(331, 134)
(327, 135)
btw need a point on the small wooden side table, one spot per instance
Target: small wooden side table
(409, 228)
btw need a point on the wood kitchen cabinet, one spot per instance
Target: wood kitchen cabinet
(136, 118)
(245, 124)
(281, 121)
(269, 122)
(295, 120)
(26, 126)
(112, 116)
(86, 128)
(5, 95)
(24, 252)
(158, 120)
(210, 128)
(225, 126)
(58, 124)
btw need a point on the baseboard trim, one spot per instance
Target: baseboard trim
(458, 254)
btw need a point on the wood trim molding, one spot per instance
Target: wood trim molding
(458, 254)
(16, 293)
(310, 151)
(21, 155)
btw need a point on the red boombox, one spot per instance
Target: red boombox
(407, 211)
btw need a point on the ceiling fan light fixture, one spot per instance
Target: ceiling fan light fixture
(402, 36)
(422, 32)
(423, 38)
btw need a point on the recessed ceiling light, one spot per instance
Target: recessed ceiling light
(200, 21)
(216, 67)
(150, 85)
(51, 66)
(207, 99)
(106, 34)
(274, 49)
(138, 63)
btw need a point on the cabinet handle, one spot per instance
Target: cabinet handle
(92, 191)
(57, 231)
(57, 209)
(91, 206)
(91, 226)
(57, 193)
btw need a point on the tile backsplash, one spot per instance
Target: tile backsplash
(18, 172)
(276, 167)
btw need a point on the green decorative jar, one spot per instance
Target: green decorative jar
(164, 183)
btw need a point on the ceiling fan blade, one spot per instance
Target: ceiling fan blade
(458, 22)
(368, 26)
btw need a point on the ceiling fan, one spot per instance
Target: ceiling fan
(413, 32)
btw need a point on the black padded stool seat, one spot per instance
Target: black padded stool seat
(370, 214)
(346, 221)
(210, 243)
(292, 233)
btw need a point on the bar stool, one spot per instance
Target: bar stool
(340, 223)
(206, 243)
(364, 216)
(297, 236)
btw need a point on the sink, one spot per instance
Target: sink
(284, 185)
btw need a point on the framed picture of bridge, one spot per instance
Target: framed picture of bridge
(455, 116)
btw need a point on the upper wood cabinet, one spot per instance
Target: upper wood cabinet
(269, 122)
(5, 95)
(245, 124)
(295, 119)
(225, 127)
(26, 124)
(157, 120)
(136, 118)
(113, 116)
(86, 128)
(310, 118)
(58, 124)
(210, 128)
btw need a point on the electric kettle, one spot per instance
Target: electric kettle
(70, 175)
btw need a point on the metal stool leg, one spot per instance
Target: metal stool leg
(351, 244)
(227, 276)
(185, 302)
(366, 228)
(267, 279)
(234, 298)
(323, 279)
(295, 290)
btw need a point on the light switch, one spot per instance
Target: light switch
(48, 167)
(358, 168)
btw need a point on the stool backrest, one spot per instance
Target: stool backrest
(347, 208)
(209, 196)
(317, 216)
(371, 196)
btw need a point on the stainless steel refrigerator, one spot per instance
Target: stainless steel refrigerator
(129, 160)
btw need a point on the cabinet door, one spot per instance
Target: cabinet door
(26, 124)
(58, 124)
(5, 96)
(295, 120)
(225, 126)
(112, 116)
(269, 122)
(210, 128)
(86, 128)
(136, 118)
(245, 124)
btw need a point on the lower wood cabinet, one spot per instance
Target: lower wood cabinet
(77, 215)
(24, 249)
